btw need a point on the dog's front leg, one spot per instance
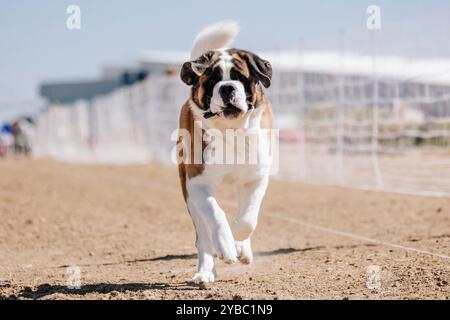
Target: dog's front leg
(251, 195)
(205, 265)
(202, 199)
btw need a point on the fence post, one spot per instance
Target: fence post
(375, 115)
(340, 113)
(302, 105)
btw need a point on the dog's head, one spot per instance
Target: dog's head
(225, 82)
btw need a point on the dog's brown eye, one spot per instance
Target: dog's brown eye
(217, 74)
(214, 77)
(234, 75)
(237, 76)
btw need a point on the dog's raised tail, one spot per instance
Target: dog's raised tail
(215, 36)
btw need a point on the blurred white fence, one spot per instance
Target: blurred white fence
(360, 132)
(132, 124)
(364, 132)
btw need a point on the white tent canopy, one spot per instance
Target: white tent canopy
(430, 70)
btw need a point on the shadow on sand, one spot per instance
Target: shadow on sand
(44, 290)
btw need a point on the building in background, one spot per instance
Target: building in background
(66, 93)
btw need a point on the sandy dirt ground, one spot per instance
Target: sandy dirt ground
(128, 231)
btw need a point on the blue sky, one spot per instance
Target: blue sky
(36, 45)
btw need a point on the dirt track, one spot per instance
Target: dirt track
(128, 230)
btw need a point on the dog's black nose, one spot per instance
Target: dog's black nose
(226, 93)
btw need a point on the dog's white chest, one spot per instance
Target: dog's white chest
(242, 155)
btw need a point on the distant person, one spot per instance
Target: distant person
(168, 89)
(6, 139)
(171, 71)
(3, 148)
(22, 135)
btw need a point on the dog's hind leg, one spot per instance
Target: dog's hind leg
(244, 251)
(205, 260)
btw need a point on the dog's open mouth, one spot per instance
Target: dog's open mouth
(231, 111)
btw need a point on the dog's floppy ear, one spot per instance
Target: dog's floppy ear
(188, 75)
(192, 70)
(261, 68)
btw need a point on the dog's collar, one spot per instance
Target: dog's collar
(209, 114)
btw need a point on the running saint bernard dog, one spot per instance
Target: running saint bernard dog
(227, 104)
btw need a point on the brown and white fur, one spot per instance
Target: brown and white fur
(227, 84)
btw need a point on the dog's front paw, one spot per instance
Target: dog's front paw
(244, 251)
(243, 229)
(203, 277)
(225, 246)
